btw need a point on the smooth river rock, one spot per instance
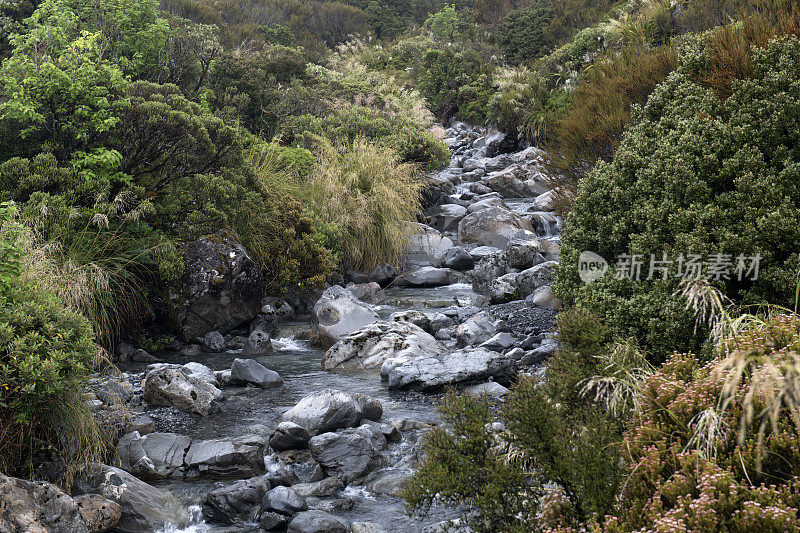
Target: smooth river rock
(493, 226)
(330, 410)
(336, 314)
(175, 387)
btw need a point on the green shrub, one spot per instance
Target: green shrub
(524, 34)
(408, 139)
(694, 174)
(555, 433)
(46, 353)
(371, 196)
(462, 465)
(456, 83)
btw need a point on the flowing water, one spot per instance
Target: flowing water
(253, 410)
(257, 411)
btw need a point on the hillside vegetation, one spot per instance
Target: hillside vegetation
(129, 128)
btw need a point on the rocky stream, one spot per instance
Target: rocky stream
(307, 414)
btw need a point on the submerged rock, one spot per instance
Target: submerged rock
(221, 287)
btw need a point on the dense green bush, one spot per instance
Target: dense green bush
(402, 135)
(456, 83)
(46, 353)
(525, 33)
(695, 174)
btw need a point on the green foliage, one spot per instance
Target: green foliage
(554, 434)
(456, 83)
(525, 33)
(445, 25)
(694, 174)
(46, 353)
(462, 466)
(412, 144)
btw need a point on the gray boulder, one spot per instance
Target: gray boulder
(531, 279)
(99, 514)
(500, 342)
(426, 247)
(259, 342)
(544, 297)
(319, 489)
(239, 457)
(350, 454)
(250, 371)
(522, 254)
(371, 346)
(153, 456)
(458, 259)
(504, 288)
(436, 373)
(330, 410)
(507, 182)
(221, 287)
(486, 201)
(200, 371)
(289, 436)
(477, 329)
(27, 506)
(493, 226)
(317, 522)
(369, 292)
(491, 389)
(336, 314)
(418, 318)
(283, 500)
(214, 342)
(175, 387)
(429, 276)
(239, 502)
(383, 274)
(446, 217)
(490, 267)
(143, 507)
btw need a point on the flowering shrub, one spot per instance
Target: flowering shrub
(716, 446)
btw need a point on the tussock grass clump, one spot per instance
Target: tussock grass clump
(370, 195)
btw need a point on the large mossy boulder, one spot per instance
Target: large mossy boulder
(221, 287)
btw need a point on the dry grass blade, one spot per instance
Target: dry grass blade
(625, 369)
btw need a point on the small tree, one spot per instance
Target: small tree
(445, 25)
